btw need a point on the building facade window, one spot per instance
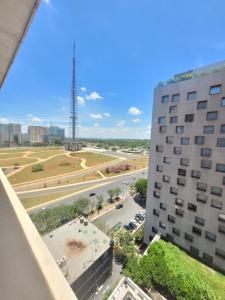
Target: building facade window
(169, 139)
(165, 99)
(199, 221)
(167, 160)
(176, 231)
(216, 203)
(159, 148)
(185, 141)
(201, 186)
(220, 253)
(162, 129)
(212, 115)
(159, 168)
(206, 164)
(179, 212)
(158, 185)
(181, 181)
(215, 190)
(199, 140)
(202, 105)
(201, 198)
(181, 172)
(173, 191)
(162, 225)
(173, 120)
(189, 118)
(189, 237)
(191, 95)
(156, 212)
(208, 129)
(173, 109)
(166, 178)
(220, 142)
(154, 229)
(184, 162)
(195, 174)
(223, 101)
(177, 150)
(156, 194)
(175, 98)
(196, 230)
(163, 206)
(221, 217)
(210, 236)
(194, 250)
(179, 129)
(206, 152)
(171, 219)
(222, 128)
(161, 120)
(208, 258)
(179, 202)
(192, 207)
(221, 228)
(215, 89)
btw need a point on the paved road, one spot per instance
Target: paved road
(100, 190)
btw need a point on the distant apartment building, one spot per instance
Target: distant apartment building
(36, 134)
(53, 134)
(4, 135)
(10, 134)
(186, 190)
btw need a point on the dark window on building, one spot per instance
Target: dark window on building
(175, 97)
(184, 162)
(159, 148)
(220, 253)
(195, 174)
(194, 251)
(196, 230)
(220, 168)
(221, 217)
(169, 237)
(215, 190)
(156, 212)
(212, 115)
(208, 129)
(199, 140)
(192, 207)
(220, 142)
(181, 181)
(202, 105)
(216, 89)
(169, 139)
(222, 128)
(191, 95)
(206, 164)
(166, 178)
(188, 237)
(206, 152)
(223, 101)
(223, 180)
(201, 198)
(165, 99)
(162, 129)
(207, 257)
(176, 231)
(173, 191)
(173, 109)
(216, 203)
(161, 120)
(189, 118)
(182, 172)
(159, 168)
(177, 150)
(179, 212)
(154, 229)
(179, 202)
(156, 194)
(171, 219)
(199, 220)
(166, 160)
(201, 186)
(173, 120)
(221, 228)
(162, 225)
(158, 185)
(163, 206)
(184, 141)
(210, 236)
(180, 129)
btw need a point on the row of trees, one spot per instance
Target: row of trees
(118, 168)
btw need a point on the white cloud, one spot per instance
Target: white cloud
(80, 100)
(94, 96)
(4, 121)
(136, 120)
(96, 125)
(83, 89)
(107, 115)
(134, 111)
(121, 123)
(47, 1)
(34, 119)
(96, 116)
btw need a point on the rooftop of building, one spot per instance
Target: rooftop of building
(195, 73)
(127, 289)
(75, 246)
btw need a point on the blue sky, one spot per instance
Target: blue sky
(123, 48)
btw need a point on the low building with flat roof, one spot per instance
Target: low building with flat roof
(84, 255)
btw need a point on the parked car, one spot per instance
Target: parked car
(140, 217)
(92, 194)
(137, 219)
(119, 206)
(133, 225)
(127, 227)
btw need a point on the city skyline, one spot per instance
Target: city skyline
(118, 63)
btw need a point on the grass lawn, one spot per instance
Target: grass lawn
(20, 160)
(56, 166)
(93, 159)
(46, 154)
(33, 201)
(11, 155)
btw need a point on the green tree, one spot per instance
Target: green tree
(141, 187)
(111, 193)
(117, 191)
(37, 168)
(100, 202)
(124, 247)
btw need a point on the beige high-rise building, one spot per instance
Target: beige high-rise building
(36, 134)
(186, 189)
(15, 135)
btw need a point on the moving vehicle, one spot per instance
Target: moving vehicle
(92, 194)
(119, 206)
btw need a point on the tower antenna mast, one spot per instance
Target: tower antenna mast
(73, 111)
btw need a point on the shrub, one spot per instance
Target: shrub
(64, 164)
(37, 168)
